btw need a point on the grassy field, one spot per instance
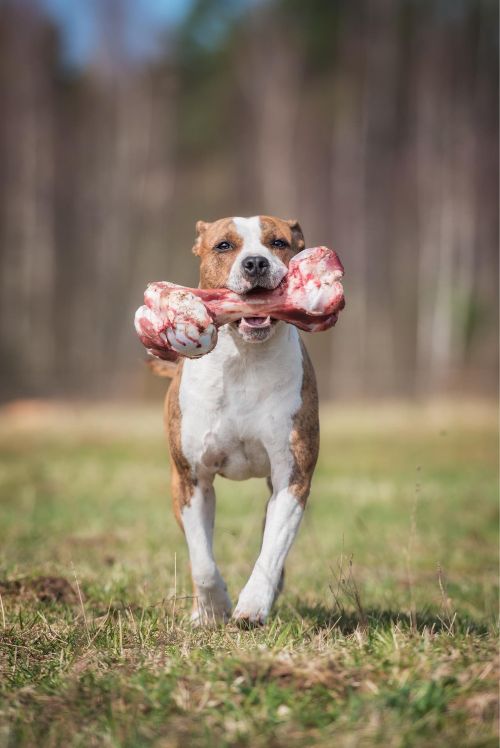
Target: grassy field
(386, 633)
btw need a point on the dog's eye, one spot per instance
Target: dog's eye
(223, 246)
(279, 243)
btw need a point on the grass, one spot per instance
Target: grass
(386, 633)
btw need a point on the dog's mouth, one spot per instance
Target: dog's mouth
(255, 321)
(255, 329)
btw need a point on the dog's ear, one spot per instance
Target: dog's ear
(201, 227)
(297, 235)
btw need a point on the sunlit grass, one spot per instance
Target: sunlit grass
(386, 631)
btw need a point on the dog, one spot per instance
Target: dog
(247, 409)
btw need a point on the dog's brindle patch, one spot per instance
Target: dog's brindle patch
(304, 438)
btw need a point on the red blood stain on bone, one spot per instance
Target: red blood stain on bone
(177, 320)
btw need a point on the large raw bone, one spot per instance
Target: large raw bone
(183, 321)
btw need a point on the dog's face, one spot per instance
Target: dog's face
(243, 254)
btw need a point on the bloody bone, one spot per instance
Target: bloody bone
(183, 321)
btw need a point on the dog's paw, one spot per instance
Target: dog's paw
(253, 607)
(209, 618)
(248, 621)
(211, 607)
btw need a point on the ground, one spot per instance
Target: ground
(386, 633)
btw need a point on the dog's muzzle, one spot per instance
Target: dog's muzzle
(255, 267)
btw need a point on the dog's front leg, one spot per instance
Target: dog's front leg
(211, 602)
(193, 499)
(284, 513)
(292, 464)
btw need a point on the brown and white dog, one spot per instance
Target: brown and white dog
(247, 409)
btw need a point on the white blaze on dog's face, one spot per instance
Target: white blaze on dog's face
(243, 254)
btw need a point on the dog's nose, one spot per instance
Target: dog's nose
(255, 266)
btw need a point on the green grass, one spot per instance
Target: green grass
(386, 633)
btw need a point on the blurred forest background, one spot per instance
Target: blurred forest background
(374, 122)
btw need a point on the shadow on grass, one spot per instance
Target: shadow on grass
(320, 617)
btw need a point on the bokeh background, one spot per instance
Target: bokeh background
(374, 122)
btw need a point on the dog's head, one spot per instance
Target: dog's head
(243, 254)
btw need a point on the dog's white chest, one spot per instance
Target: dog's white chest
(238, 402)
